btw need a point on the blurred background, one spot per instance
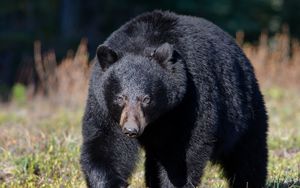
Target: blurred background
(46, 51)
(59, 25)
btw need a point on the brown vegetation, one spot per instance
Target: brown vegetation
(276, 61)
(66, 82)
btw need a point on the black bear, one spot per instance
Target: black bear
(180, 88)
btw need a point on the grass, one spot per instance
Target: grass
(39, 149)
(40, 145)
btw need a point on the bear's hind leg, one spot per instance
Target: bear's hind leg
(246, 165)
(162, 174)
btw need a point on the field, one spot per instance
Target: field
(40, 136)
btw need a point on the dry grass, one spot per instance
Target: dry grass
(66, 82)
(276, 60)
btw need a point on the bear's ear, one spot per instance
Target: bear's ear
(106, 56)
(165, 54)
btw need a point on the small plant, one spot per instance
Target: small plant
(19, 94)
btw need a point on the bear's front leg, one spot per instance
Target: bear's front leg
(152, 172)
(108, 165)
(107, 157)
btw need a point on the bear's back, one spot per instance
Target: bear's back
(191, 36)
(147, 30)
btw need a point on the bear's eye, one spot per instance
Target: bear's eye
(146, 100)
(120, 100)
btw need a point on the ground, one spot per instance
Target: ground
(39, 145)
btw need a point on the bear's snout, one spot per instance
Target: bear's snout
(132, 120)
(131, 129)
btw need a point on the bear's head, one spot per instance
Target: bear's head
(139, 89)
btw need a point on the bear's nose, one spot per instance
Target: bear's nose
(130, 131)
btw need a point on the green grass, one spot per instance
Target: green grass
(40, 144)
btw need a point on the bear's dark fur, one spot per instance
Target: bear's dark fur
(186, 93)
